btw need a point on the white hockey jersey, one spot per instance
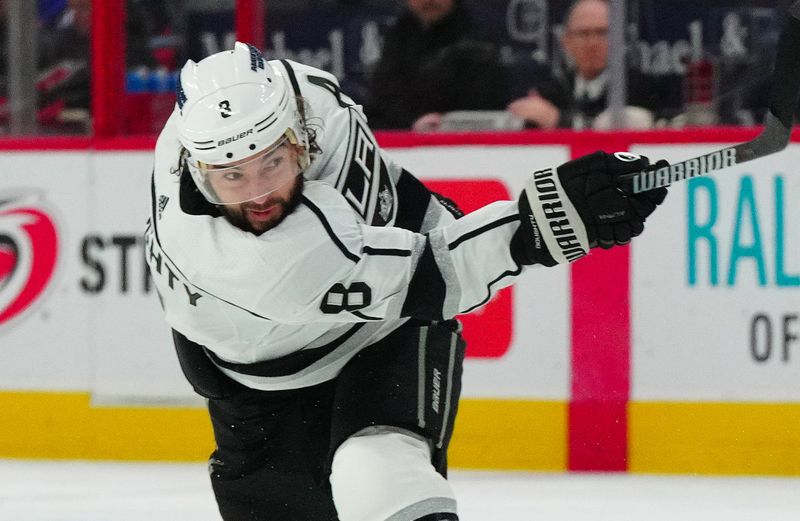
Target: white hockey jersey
(367, 248)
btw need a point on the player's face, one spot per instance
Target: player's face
(586, 37)
(252, 178)
(266, 211)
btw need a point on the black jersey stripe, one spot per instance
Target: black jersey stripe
(289, 364)
(342, 175)
(485, 228)
(325, 224)
(292, 77)
(489, 288)
(427, 289)
(444, 516)
(390, 252)
(301, 109)
(364, 317)
(153, 202)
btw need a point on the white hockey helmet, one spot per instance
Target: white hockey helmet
(233, 105)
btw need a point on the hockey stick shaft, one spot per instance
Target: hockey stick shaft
(783, 99)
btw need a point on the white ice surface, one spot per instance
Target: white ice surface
(89, 491)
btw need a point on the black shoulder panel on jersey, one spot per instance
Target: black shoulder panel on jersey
(412, 202)
(427, 289)
(289, 364)
(449, 204)
(325, 224)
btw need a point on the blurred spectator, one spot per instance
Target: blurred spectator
(64, 64)
(578, 98)
(4, 36)
(152, 40)
(434, 61)
(64, 56)
(744, 81)
(51, 11)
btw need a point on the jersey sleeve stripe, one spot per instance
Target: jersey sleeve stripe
(289, 364)
(474, 233)
(489, 288)
(363, 316)
(369, 250)
(321, 216)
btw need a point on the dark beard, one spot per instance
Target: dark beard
(288, 206)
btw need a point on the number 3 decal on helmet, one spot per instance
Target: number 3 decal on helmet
(225, 108)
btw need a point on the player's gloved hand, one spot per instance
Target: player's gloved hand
(580, 206)
(611, 216)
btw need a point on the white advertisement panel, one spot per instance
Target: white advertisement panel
(133, 355)
(44, 319)
(716, 285)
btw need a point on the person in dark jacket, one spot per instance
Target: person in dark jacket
(578, 98)
(433, 61)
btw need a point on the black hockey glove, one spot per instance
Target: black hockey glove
(579, 205)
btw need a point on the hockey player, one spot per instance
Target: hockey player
(311, 285)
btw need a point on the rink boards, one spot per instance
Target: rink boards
(678, 354)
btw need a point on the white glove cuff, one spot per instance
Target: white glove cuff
(558, 221)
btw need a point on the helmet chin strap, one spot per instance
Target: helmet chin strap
(303, 152)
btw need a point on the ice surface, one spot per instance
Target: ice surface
(91, 491)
